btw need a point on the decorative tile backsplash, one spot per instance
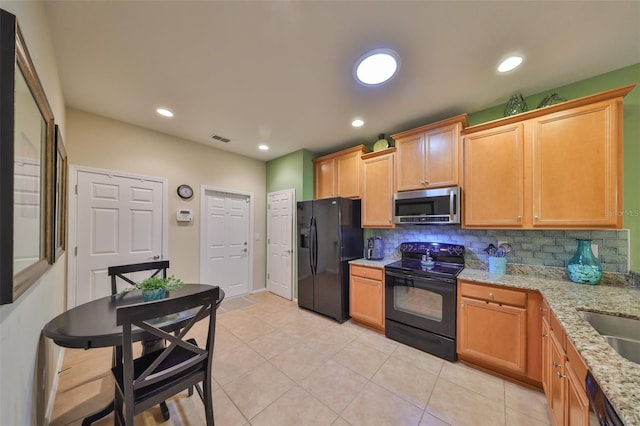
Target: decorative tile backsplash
(530, 247)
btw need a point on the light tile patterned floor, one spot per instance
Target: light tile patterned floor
(278, 365)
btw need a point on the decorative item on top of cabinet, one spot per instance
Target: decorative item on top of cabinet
(430, 156)
(378, 186)
(366, 295)
(338, 174)
(555, 167)
(515, 105)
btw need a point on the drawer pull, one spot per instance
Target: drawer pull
(491, 295)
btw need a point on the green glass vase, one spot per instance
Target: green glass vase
(584, 267)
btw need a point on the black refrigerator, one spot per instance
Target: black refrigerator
(329, 236)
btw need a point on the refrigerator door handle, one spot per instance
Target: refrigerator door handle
(314, 245)
(311, 240)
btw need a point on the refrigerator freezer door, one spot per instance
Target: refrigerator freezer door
(305, 243)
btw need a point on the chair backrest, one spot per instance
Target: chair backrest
(115, 272)
(181, 358)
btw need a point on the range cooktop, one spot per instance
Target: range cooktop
(447, 259)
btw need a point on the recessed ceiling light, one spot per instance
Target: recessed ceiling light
(164, 112)
(510, 63)
(263, 147)
(376, 67)
(357, 123)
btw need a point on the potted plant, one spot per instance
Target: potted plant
(154, 288)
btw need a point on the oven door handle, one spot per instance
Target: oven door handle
(419, 278)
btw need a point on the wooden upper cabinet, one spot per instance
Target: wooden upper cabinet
(338, 174)
(553, 167)
(429, 156)
(377, 189)
(493, 176)
(575, 167)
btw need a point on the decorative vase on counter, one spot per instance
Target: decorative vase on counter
(584, 267)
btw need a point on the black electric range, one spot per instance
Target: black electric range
(420, 297)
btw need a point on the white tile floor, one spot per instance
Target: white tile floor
(276, 364)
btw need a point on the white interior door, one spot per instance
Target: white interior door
(226, 247)
(119, 220)
(279, 242)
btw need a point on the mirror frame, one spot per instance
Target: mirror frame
(15, 56)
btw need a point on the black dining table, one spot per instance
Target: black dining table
(93, 324)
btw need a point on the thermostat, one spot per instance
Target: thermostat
(184, 215)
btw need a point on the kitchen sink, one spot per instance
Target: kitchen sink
(623, 334)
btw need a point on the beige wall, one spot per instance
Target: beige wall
(99, 142)
(28, 360)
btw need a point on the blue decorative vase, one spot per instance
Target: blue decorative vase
(149, 295)
(584, 267)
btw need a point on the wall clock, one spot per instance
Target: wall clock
(185, 192)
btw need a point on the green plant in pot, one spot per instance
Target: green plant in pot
(154, 288)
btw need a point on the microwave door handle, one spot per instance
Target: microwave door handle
(452, 205)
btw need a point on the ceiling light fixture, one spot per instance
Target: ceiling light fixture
(263, 147)
(357, 123)
(164, 112)
(510, 63)
(376, 67)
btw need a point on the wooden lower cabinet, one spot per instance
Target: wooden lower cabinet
(499, 329)
(564, 375)
(366, 296)
(493, 334)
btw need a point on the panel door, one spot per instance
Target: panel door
(119, 221)
(377, 191)
(410, 160)
(493, 177)
(227, 242)
(442, 157)
(493, 334)
(575, 176)
(347, 168)
(279, 243)
(324, 179)
(366, 301)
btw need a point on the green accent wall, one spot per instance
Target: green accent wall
(296, 169)
(631, 149)
(285, 173)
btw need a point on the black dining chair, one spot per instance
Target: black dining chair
(120, 272)
(152, 378)
(116, 272)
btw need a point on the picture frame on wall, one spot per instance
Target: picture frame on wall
(60, 196)
(26, 173)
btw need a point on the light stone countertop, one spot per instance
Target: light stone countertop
(618, 377)
(374, 263)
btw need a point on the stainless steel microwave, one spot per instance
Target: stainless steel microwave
(427, 207)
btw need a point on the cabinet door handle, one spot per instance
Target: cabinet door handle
(491, 295)
(462, 305)
(544, 335)
(536, 218)
(519, 218)
(555, 364)
(560, 376)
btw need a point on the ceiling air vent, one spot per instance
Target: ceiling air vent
(220, 138)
